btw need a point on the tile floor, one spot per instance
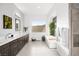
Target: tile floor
(37, 48)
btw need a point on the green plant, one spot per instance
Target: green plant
(52, 26)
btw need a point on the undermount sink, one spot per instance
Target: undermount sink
(9, 35)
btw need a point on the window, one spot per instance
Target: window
(38, 25)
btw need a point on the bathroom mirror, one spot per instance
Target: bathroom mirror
(17, 24)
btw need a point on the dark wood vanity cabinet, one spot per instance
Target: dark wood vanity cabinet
(5, 50)
(13, 47)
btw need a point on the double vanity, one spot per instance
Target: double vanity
(11, 46)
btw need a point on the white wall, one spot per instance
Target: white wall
(62, 15)
(61, 11)
(9, 9)
(63, 22)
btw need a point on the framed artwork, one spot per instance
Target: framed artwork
(7, 22)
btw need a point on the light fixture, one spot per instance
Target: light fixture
(38, 6)
(17, 14)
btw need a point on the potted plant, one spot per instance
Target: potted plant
(52, 26)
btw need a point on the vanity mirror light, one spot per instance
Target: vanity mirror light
(25, 29)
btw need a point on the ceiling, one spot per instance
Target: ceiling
(35, 8)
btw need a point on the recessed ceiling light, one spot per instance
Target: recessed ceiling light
(38, 6)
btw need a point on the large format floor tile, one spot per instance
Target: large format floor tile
(37, 48)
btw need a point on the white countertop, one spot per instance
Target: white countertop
(4, 41)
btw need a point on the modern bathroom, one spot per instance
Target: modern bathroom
(39, 29)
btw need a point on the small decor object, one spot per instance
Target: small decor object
(25, 29)
(7, 22)
(43, 38)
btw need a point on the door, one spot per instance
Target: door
(75, 30)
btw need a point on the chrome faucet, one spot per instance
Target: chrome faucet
(9, 35)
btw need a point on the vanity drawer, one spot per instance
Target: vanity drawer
(13, 42)
(13, 49)
(5, 50)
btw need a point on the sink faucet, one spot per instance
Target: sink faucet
(9, 35)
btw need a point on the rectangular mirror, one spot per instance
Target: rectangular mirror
(17, 24)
